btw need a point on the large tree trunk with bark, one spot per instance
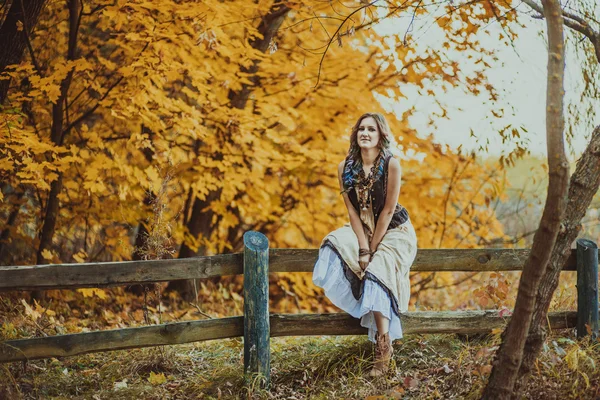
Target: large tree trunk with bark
(199, 223)
(508, 357)
(583, 185)
(13, 40)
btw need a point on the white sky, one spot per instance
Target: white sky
(519, 76)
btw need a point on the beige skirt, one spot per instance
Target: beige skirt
(391, 262)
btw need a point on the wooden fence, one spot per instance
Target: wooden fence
(257, 325)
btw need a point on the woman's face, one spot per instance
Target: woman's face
(368, 134)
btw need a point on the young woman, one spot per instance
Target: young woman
(363, 266)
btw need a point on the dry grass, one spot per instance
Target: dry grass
(426, 367)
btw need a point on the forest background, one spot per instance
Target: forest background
(157, 130)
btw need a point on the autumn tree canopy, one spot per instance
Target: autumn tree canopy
(250, 133)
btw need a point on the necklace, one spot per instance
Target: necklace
(364, 184)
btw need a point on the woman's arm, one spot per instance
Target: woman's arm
(393, 191)
(355, 221)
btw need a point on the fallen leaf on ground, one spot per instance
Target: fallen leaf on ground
(120, 385)
(157, 379)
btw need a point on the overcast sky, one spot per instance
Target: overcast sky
(520, 77)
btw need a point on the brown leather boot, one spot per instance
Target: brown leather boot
(383, 355)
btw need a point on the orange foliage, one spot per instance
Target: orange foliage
(169, 67)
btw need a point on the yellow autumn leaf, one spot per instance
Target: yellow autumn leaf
(94, 187)
(43, 310)
(126, 71)
(30, 311)
(157, 379)
(93, 291)
(86, 292)
(47, 254)
(82, 64)
(572, 359)
(80, 256)
(53, 92)
(153, 176)
(8, 331)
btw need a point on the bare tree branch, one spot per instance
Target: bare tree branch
(574, 22)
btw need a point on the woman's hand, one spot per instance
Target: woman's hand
(363, 261)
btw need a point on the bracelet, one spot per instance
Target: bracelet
(364, 252)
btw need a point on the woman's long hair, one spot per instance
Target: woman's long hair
(354, 163)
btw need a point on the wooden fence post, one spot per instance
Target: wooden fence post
(257, 352)
(587, 288)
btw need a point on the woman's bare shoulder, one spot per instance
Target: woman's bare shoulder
(394, 166)
(394, 163)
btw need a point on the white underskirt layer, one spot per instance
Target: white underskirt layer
(328, 273)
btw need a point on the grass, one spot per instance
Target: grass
(441, 366)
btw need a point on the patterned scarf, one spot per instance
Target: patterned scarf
(353, 166)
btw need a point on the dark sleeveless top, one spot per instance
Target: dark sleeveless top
(378, 195)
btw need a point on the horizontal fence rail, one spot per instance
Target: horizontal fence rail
(70, 276)
(466, 322)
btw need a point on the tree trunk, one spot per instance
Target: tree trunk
(57, 137)
(142, 233)
(268, 28)
(508, 358)
(200, 220)
(14, 41)
(198, 225)
(583, 185)
(5, 233)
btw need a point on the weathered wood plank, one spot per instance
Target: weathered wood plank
(587, 288)
(281, 325)
(469, 260)
(69, 276)
(412, 322)
(257, 341)
(119, 339)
